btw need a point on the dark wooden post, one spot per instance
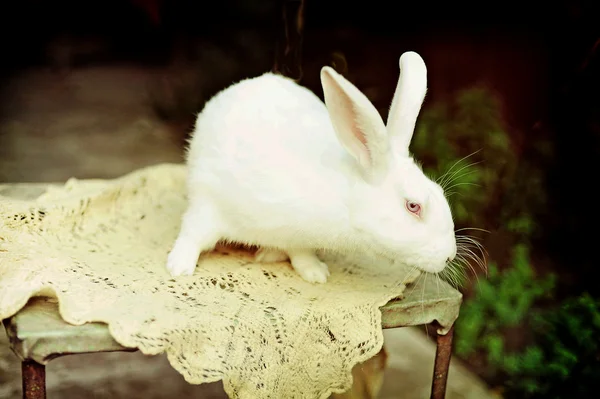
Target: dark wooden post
(288, 53)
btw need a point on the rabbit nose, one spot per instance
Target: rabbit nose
(452, 255)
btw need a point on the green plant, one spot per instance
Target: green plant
(565, 360)
(469, 125)
(496, 179)
(560, 356)
(492, 177)
(503, 300)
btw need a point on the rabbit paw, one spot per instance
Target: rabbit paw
(182, 260)
(267, 255)
(310, 268)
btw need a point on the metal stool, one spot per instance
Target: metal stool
(38, 334)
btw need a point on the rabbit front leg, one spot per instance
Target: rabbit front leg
(199, 232)
(309, 266)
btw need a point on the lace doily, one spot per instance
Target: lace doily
(100, 247)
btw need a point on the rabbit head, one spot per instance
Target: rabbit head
(394, 207)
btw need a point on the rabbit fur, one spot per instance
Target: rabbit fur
(271, 165)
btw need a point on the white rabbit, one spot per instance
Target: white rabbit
(271, 165)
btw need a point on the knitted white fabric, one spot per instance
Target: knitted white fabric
(100, 247)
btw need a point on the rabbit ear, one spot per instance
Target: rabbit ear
(409, 96)
(357, 123)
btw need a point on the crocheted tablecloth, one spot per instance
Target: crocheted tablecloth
(100, 247)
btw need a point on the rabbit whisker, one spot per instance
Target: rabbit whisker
(449, 178)
(472, 228)
(443, 176)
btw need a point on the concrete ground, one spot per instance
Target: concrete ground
(133, 375)
(97, 122)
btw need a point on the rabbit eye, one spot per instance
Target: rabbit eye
(413, 207)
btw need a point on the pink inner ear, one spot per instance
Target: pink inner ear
(357, 123)
(361, 137)
(347, 120)
(361, 146)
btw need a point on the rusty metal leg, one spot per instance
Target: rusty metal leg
(442, 364)
(34, 380)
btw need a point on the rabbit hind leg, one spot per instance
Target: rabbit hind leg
(200, 232)
(270, 255)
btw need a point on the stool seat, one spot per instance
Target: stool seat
(38, 332)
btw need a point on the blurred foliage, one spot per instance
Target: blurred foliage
(562, 355)
(468, 126)
(492, 180)
(506, 328)
(565, 363)
(503, 300)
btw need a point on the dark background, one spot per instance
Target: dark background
(540, 58)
